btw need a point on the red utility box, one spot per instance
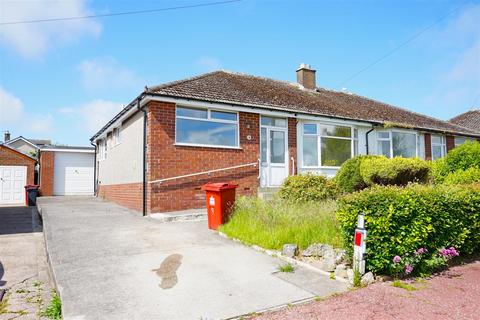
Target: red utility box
(220, 200)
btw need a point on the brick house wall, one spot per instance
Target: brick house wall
(428, 146)
(9, 157)
(450, 140)
(129, 195)
(166, 160)
(292, 145)
(47, 162)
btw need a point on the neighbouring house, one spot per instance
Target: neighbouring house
(469, 119)
(155, 154)
(16, 171)
(24, 145)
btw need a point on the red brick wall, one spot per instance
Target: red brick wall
(450, 142)
(167, 160)
(428, 146)
(9, 157)
(292, 144)
(128, 195)
(47, 161)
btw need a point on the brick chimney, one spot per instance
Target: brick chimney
(6, 137)
(306, 76)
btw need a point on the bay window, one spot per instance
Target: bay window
(326, 145)
(206, 127)
(397, 144)
(439, 148)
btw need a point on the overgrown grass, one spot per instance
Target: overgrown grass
(271, 224)
(54, 309)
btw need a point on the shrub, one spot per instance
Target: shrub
(463, 157)
(348, 178)
(401, 220)
(438, 170)
(470, 175)
(308, 187)
(396, 171)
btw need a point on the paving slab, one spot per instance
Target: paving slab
(109, 263)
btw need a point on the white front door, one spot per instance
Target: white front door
(273, 151)
(73, 174)
(12, 182)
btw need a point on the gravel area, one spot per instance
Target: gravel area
(454, 294)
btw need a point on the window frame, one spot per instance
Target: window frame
(208, 119)
(390, 139)
(117, 136)
(101, 150)
(442, 144)
(319, 137)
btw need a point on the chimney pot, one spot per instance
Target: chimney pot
(6, 136)
(306, 76)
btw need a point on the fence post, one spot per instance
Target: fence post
(359, 246)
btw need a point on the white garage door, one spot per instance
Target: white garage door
(73, 174)
(12, 182)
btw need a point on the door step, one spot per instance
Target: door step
(183, 215)
(267, 193)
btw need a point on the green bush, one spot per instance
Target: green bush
(401, 220)
(438, 170)
(308, 187)
(396, 171)
(348, 178)
(470, 175)
(463, 157)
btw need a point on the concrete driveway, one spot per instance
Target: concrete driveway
(110, 263)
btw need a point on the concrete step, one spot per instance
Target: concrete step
(183, 215)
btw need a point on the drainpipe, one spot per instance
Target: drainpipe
(366, 139)
(144, 154)
(94, 169)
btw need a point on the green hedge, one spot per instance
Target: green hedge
(401, 220)
(470, 175)
(463, 157)
(308, 187)
(349, 178)
(396, 171)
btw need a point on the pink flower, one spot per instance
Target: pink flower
(408, 269)
(420, 251)
(397, 259)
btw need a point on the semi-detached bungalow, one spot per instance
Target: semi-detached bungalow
(155, 155)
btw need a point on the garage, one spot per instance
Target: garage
(67, 171)
(16, 171)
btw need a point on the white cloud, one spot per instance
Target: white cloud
(14, 117)
(105, 74)
(458, 79)
(93, 115)
(32, 40)
(208, 63)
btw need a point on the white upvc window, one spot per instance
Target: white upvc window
(439, 147)
(397, 144)
(205, 127)
(117, 136)
(102, 150)
(461, 140)
(326, 145)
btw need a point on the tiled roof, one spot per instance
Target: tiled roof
(469, 119)
(235, 88)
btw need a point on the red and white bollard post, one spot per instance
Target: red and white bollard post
(359, 247)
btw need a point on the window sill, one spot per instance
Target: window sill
(205, 146)
(319, 168)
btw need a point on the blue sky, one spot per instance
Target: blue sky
(63, 80)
